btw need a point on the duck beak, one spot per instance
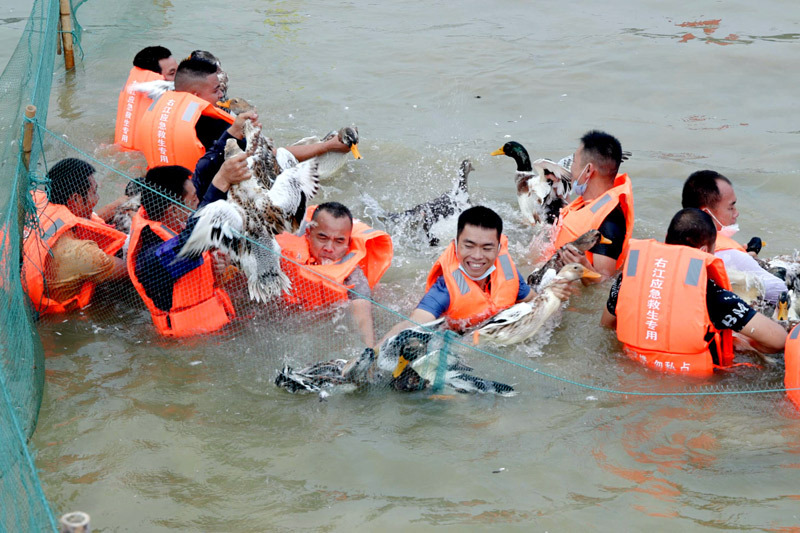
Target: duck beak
(783, 309)
(402, 363)
(589, 274)
(354, 150)
(603, 240)
(499, 151)
(226, 104)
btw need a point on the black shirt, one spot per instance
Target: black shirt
(613, 228)
(209, 129)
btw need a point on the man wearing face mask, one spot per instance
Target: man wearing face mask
(604, 202)
(475, 277)
(713, 193)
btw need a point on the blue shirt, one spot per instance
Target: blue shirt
(437, 299)
(157, 266)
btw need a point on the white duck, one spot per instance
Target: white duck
(542, 187)
(331, 162)
(523, 320)
(245, 225)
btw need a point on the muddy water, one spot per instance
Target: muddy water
(158, 436)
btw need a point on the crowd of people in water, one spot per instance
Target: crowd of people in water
(670, 302)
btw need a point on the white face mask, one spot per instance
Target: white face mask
(725, 231)
(482, 276)
(578, 188)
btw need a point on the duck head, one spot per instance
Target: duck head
(236, 106)
(573, 271)
(782, 310)
(518, 153)
(349, 136)
(589, 239)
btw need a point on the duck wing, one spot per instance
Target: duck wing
(292, 189)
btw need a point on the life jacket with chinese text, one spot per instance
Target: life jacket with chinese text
(166, 131)
(662, 316)
(131, 106)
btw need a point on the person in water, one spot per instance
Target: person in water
(73, 249)
(713, 193)
(475, 277)
(604, 202)
(335, 247)
(672, 307)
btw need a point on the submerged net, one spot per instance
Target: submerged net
(305, 347)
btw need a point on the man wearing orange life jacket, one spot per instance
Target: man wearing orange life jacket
(672, 308)
(178, 127)
(181, 293)
(713, 193)
(73, 249)
(605, 203)
(337, 248)
(475, 277)
(151, 63)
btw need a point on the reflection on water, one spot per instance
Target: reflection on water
(193, 435)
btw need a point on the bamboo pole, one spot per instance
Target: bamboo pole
(75, 522)
(66, 34)
(27, 136)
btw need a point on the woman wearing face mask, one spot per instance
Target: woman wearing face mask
(713, 193)
(604, 202)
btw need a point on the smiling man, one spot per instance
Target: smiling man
(475, 277)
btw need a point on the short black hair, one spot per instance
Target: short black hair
(67, 177)
(691, 227)
(480, 216)
(191, 70)
(169, 180)
(336, 210)
(205, 55)
(148, 58)
(604, 150)
(701, 190)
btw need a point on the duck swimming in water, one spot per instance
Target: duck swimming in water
(256, 210)
(523, 320)
(543, 186)
(421, 218)
(553, 265)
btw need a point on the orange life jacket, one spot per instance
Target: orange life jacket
(580, 216)
(165, 133)
(130, 107)
(317, 285)
(469, 304)
(662, 317)
(791, 379)
(198, 306)
(54, 221)
(726, 243)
